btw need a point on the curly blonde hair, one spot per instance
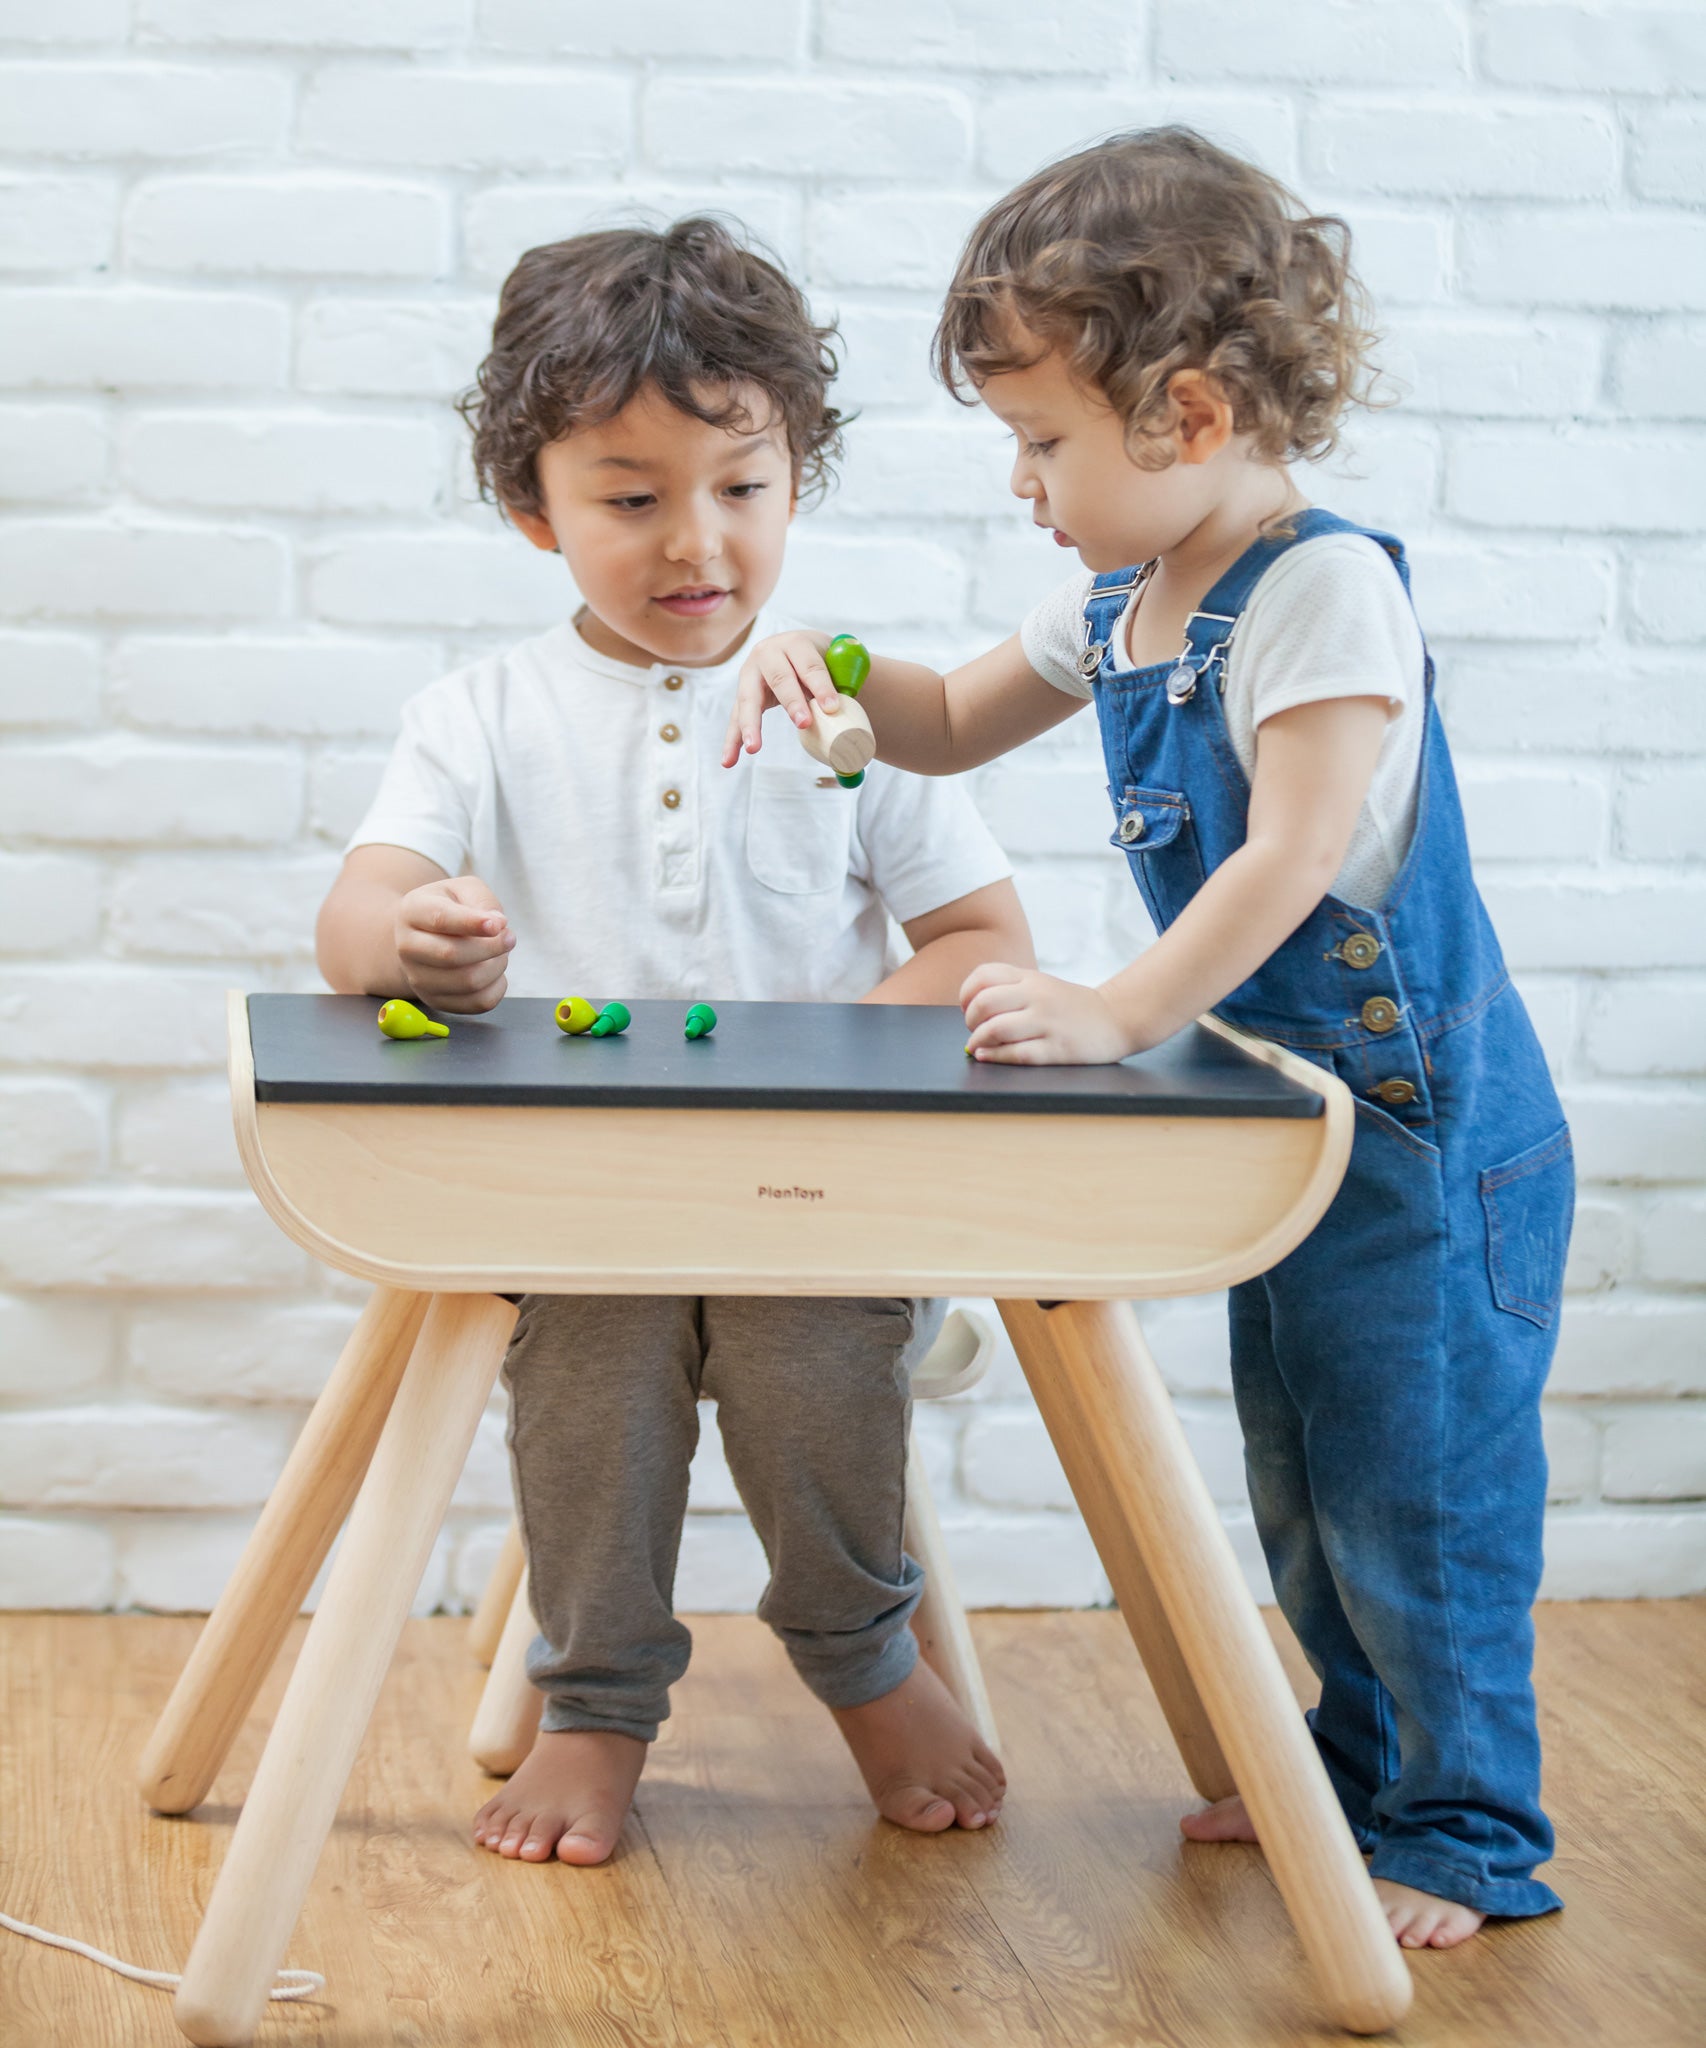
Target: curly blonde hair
(1156, 252)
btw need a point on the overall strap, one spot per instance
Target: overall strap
(1102, 608)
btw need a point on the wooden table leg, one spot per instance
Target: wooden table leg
(246, 1630)
(939, 1620)
(1032, 1329)
(507, 1718)
(498, 1598)
(1111, 1419)
(333, 1690)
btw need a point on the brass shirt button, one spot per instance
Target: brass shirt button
(1360, 949)
(1379, 1013)
(672, 799)
(669, 732)
(1132, 826)
(1396, 1091)
(673, 682)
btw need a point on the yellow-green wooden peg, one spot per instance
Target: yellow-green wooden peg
(402, 1020)
(611, 1019)
(575, 1015)
(701, 1021)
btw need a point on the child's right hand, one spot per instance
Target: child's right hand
(785, 669)
(454, 943)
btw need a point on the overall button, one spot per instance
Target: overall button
(673, 682)
(669, 732)
(1132, 827)
(1396, 1091)
(1360, 949)
(1090, 661)
(1379, 1013)
(672, 799)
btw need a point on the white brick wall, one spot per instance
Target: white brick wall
(249, 249)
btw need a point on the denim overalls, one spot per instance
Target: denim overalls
(1388, 1373)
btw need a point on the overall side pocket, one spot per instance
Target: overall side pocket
(1529, 1201)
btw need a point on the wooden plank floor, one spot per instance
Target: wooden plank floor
(755, 1903)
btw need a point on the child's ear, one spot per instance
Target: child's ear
(1202, 415)
(536, 527)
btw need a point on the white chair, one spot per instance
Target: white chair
(508, 1715)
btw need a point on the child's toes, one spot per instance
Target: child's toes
(589, 1838)
(491, 1822)
(918, 1807)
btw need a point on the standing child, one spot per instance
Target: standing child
(651, 408)
(1164, 331)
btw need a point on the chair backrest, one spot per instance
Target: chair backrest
(958, 1359)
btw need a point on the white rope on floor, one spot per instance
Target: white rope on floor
(291, 1983)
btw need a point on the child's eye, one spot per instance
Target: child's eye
(1040, 447)
(634, 504)
(745, 490)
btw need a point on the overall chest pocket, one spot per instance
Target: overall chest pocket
(1153, 829)
(798, 837)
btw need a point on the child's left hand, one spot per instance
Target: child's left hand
(1020, 1017)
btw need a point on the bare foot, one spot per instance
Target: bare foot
(569, 1799)
(1224, 1821)
(923, 1761)
(1420, 1920)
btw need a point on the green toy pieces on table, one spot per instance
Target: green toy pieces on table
(402, 1020)
(575, 1015)
(610, 1020)
(701, 1021)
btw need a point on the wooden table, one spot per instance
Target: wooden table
(802, 1149)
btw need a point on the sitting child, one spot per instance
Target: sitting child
(1164, 330)
(652, 407)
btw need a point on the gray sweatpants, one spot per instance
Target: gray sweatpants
(813, 1400)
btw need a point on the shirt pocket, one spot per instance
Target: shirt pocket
(1529, 1201)
(798, 834)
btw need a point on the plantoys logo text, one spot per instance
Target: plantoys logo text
(769, 1194)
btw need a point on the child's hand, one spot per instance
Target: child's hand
(454, 943)
(786, 669)
(1021, 1017)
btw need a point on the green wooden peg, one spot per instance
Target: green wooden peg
(701, 1021)
(849, 663)
(398, 1019)
(612, 1018)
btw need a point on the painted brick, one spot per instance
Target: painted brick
(475, 1558)
(180, 1563)
(1601, 1554)
(68, 569)
(502, 222)
(1008, 1462)
(1599, 1245)
(1382, 476)
(1568, 703)
(51, 453)
(1480, 367)
(958, 470)
(1640, 918)
(886, 357)
(277, 1351)
(1017, 568)
(391, 348)
(319, 226)
(177, 1131)
(1638, 1134)
(118, 790)
(801, 125)
(128, 1455)
(48, 679)
(1003, 1559)
(1521, 813)
(1463, 150)
(900, 240)
(293, 463)
(135, 109)
(1670, 154)
(48, 903)
(1572, 1451)
(1627, 1346)
(1314, 42)
(57, 1564)
(1034, 810)
(116, 1238)
(272, 689)
(1660, 370)
(1656, 1454)
(444, 578)
(128, 340)
(341, 788)
(768, 29)
(466, 119)
(54, 223)
(1647, 1024)
(1511, 593)
(892, 581)
(1661, 812)
(52, 1346)
(1667, 597)
(1674, 1240)
(62, 1016)
(485, 1481)
(1589, 481)
(721, 1569)
(332, 24)
(1190, 1343)
(1552, 1004)
(1642, 262)
(962, 35)
(49, 1130)
(70, 21)
(232, 907)
(1019, 129)
(711, 1487)
(1402, 258)
(1593, 48)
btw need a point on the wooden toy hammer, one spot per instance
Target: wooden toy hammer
(842, 739)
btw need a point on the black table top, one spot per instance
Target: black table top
(761, 1056)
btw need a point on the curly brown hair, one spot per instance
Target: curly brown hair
(691, 309)
(1155, 252)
